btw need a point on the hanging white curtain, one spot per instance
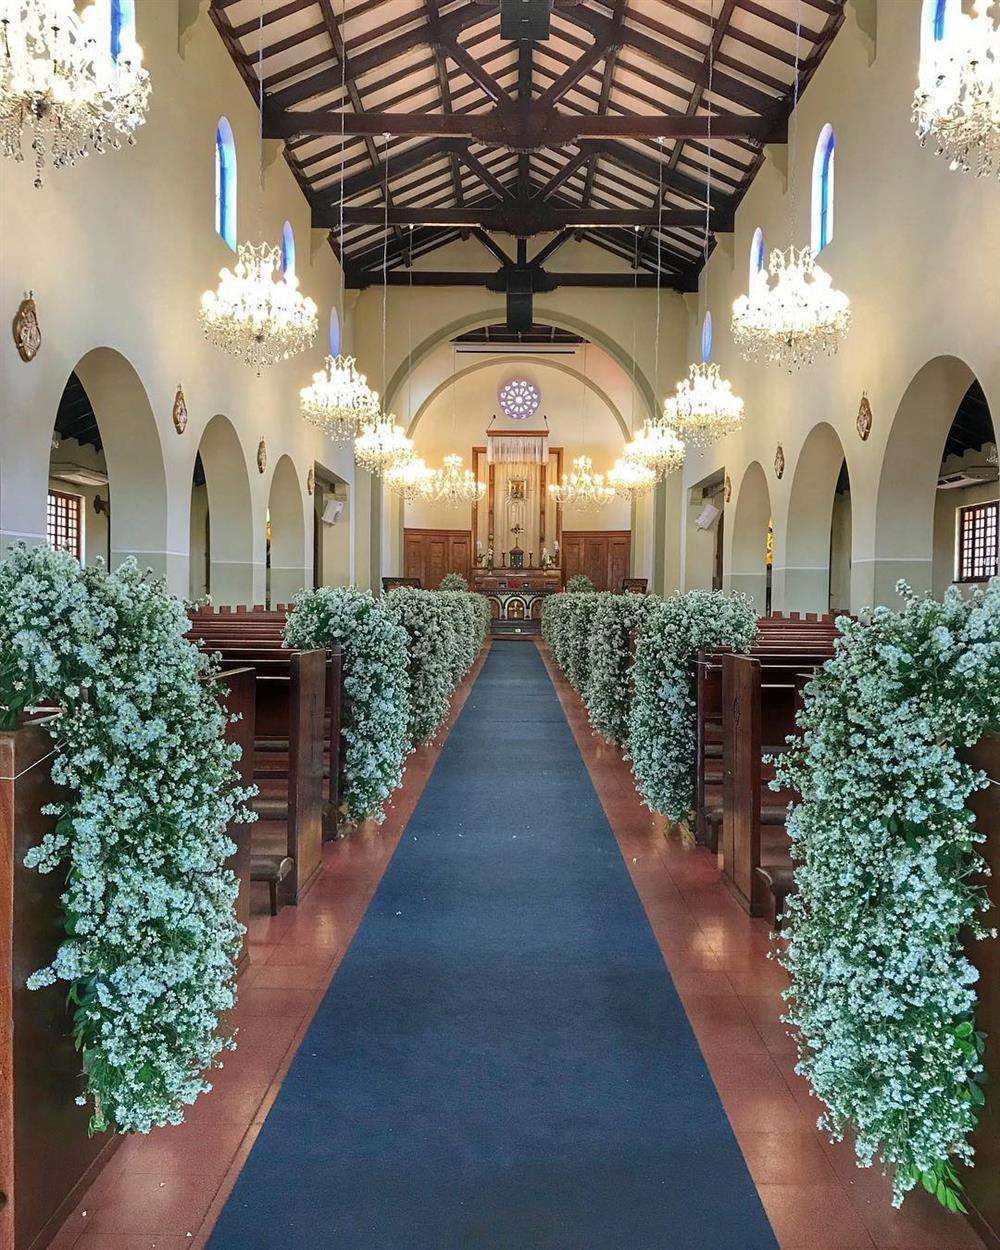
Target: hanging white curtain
(516, 502)
(506, 448)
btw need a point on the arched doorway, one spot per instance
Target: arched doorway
(750, 549)
(942, 428)
(105, 439)
(817, 571)
(285, 534)
(221, 531)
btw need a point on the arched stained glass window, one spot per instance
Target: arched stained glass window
(706, 338)
(822, 189)
(756, 253)
(122, 18)
(334, 333)
(287, 251)
(225, 183)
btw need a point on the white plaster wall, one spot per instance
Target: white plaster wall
(118, 251)
(917, 249)
(95, 525)
(946, 511)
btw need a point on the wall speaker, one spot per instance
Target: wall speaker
(707, 517)
(524, 19)
(333, 511)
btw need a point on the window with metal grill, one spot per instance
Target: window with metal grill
(978, 551)
(63, 522)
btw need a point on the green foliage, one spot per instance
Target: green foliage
(882, 995)
(435, 643)
(566, 626)
(151, 785)
(453, 581)
(609, 693)
(578, 583)
(662, 715)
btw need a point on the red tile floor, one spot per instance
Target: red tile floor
(164, 1191)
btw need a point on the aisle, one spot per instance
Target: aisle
(501, 1061)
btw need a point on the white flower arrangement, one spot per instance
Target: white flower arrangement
(566, 626)
(471, 617)
(609, 693)
(433, 651)
(151, 784)
(376, 684)
(882, 994)
(661, 737)
(453, 581)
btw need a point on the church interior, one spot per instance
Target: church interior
(500, 644)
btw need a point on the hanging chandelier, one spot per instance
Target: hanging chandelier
(703, 407)
(793, 321)
(411, 479)
(382, 445)
(253, 317)
(583, 488)
(656, 447)
(957, 102)
(61, 78)
(630, 477)
(339, 401)
(454, 484)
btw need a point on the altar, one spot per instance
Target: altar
(516, 597)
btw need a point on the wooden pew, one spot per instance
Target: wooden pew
(47, 1159)
(238, 691)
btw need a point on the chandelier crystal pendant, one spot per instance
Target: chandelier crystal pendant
(453, 484)
(62, 80)
(792, 322)
(255, 318)
(582, 487)
(339, 400)
(382, 445)
(957, 102)
(703, 407)
(630, 477)
(411, 479)
(658, 448)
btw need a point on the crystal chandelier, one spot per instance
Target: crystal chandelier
(382, 445)
(583, 488)
(453, 484)
(411, 479)
(630, 477)
(61, 78)
(794, 320)
(703, 407)
(957, 101)
(656, 447)
(339, 401)
(253, 317)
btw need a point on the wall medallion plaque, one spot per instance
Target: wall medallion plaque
(727, 490)
(261, 456)
(27, 331)
(864, 417)
(779, 462)
(180, 412)
(311, 480)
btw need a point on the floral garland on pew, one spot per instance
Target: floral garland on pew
(662, 717)
(151, 785)
(434, 650)
(376, 682)
(567, 621)
(609, 694)
(471, 617)
(882, 993)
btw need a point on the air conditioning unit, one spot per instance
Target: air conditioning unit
(78, 475)
(707, 517)
(967, 475)
(333, 511)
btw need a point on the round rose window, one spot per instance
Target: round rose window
(519, 399)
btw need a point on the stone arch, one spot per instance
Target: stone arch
(228, 512)
(907, 485)
(748, 568)
(137, 483)
(804, 578)
(536, 362)
(544, 315)
(286, 567)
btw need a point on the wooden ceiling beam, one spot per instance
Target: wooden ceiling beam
(647, 167)
(361, 278)
(604, 46)
(541, 127)
(520, 221)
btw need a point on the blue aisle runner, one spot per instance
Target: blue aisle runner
(502, 1061)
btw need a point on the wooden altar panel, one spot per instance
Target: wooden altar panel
(603, 555)
(430, 554)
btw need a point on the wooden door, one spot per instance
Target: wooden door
(430, 554)
(603, 555)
